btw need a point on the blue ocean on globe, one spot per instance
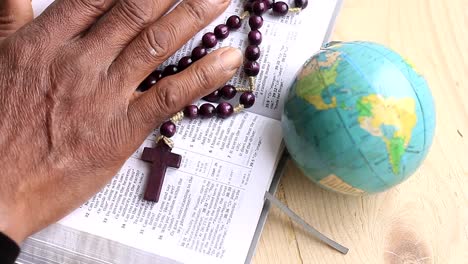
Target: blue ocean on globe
(359, 118)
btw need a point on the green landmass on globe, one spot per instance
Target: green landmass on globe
(359, 118)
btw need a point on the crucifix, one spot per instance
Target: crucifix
(161, 157)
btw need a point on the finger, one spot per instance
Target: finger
(13, 15)
(160, 40)
(122, 24)
(173, 93)
(67, 19)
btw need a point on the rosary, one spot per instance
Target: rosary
(161, 156)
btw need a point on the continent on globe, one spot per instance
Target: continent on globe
(317, 76)
(376, 112)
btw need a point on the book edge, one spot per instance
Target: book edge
(285, 156)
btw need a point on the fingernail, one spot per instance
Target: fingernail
(231, 59)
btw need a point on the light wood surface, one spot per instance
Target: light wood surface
(425, 219)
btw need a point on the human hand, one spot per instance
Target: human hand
(69, 114)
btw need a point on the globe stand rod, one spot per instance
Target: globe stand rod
(305, 225)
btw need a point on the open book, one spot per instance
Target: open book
(210, 207)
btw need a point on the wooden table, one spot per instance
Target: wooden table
(425, 219)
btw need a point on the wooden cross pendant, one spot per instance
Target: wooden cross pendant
(161, 157)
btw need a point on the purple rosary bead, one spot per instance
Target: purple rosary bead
(209, 40)
(157, 74)
(259, 7)
(184, 63)
(228, 92)
(168, 129)
(255, 37)
(169, 70)
(151, 80)
(198, 53)
(221, 31)
(234, 22)
(255, 22)
(268, 3)
(248, 6)
(213, 97)
(301, 3)
(142, 88)
(280, 8)
(252, 52)
(147, 83)
(207, 110)
(247, 99)
(252, 68)
(224, 110)
(191, 111)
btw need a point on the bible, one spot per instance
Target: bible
(212, 208)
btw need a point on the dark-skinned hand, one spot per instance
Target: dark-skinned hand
(69, 113)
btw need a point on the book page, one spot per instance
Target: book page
(209, 207)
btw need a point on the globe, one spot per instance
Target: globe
(359, 118)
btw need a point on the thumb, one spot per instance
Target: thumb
(13, 15)
(173, 93)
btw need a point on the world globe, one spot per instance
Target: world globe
(359, 118)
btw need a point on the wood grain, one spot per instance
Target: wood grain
(425, 219)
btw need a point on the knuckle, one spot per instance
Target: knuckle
(201, 10)
(197, 10)
(136, 13)
(158, 41)
(28, 46)
(60, 70)
(203, 75)
(168, 97)
(99, 5)
(35, 34)
(72, 69)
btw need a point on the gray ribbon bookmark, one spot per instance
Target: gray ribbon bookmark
(305, 225)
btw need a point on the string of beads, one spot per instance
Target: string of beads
(254, 9)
